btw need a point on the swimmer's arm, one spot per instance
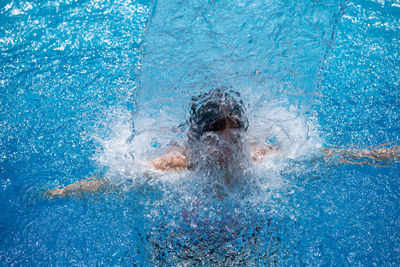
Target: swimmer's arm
(88, 185)
(378, 156)
(174, 159)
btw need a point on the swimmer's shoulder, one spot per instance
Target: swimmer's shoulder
(260, 150)
(173, 159)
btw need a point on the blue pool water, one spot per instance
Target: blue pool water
(97, 87)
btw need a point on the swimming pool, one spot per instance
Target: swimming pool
(94, 87)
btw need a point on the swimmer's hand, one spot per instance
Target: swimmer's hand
(88, 185)
(174, 159)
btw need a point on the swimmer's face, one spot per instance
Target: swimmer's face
(223, 138)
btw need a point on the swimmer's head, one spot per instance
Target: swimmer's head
(217, 123)
(216, 111)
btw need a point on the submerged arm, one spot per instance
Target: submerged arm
(88, 185)
(379, 156)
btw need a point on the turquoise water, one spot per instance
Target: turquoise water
(95, 87)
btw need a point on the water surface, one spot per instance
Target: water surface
(97, 86)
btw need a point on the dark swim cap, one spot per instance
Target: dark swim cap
(210, 110)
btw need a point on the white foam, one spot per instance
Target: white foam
(125, 156)
(295, 135)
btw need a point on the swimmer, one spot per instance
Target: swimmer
(216, 139)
